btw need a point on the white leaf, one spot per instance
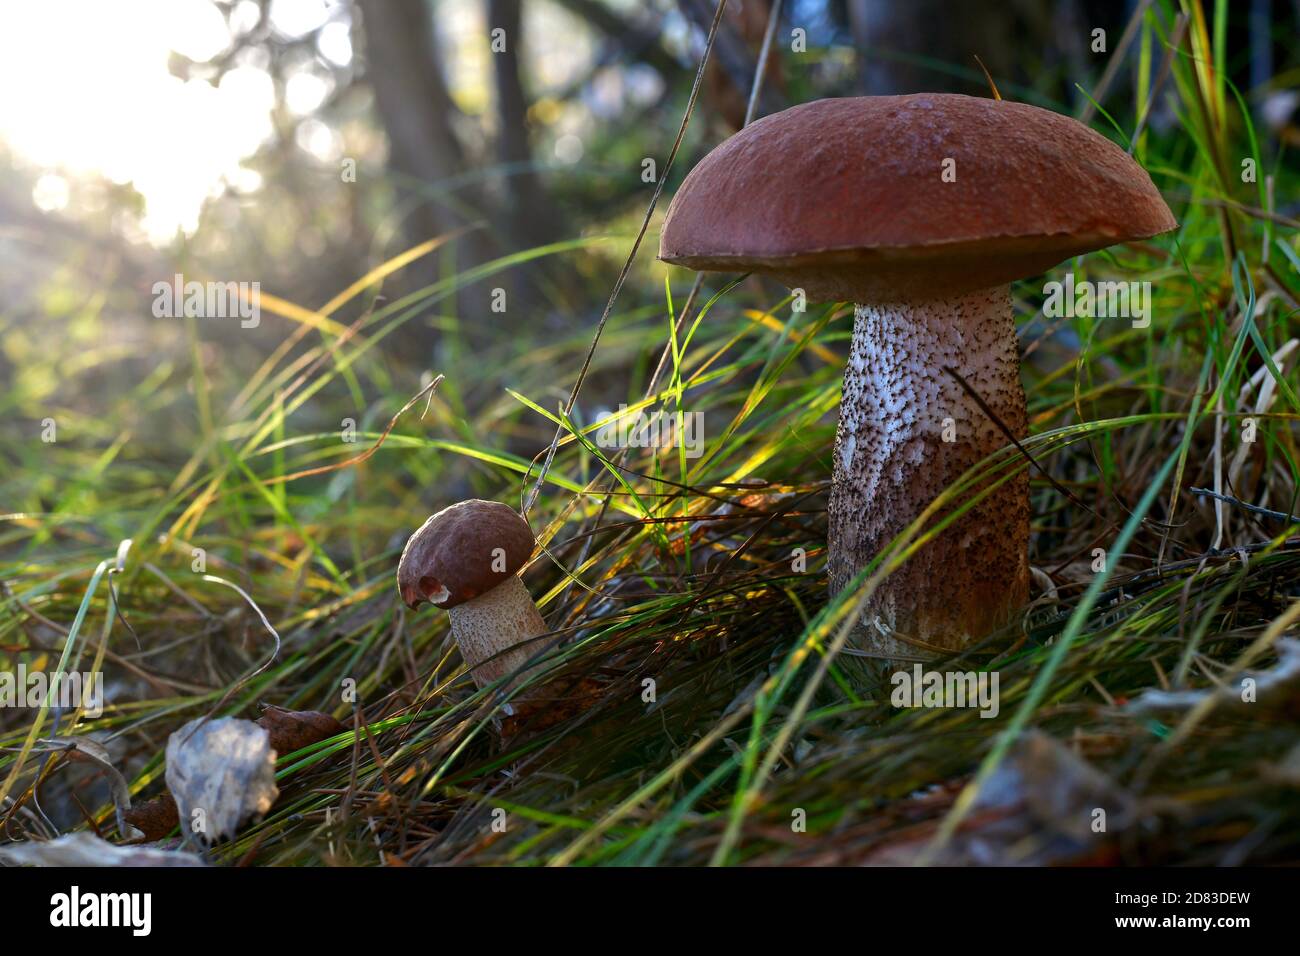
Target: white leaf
(85, 849)
(222, 773)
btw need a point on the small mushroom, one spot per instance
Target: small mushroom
(464, 559)
(921, 210)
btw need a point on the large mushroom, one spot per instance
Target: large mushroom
(465, 560)
(921, 210)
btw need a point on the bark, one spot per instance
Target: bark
(528, 217)
(640, 40)
(734, 60)
(419, 117)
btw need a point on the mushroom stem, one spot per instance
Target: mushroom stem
(895, 451)
(489, 629)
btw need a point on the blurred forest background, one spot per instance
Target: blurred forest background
(300, 143)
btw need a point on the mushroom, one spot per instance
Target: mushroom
(921, 210)
(464, 559)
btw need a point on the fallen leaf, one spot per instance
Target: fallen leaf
(1038, 808)
(85, 849)
(92, 751)
(289, 730)
(1276, 688)
(154, 818)
(292, 730)
(222, 773)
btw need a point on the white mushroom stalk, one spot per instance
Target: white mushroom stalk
(495, 631)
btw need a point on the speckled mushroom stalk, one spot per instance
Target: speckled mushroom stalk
(892, 459)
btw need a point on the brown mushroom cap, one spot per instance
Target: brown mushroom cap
(845, 197)
(453, 558)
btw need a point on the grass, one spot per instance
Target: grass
(678, 571)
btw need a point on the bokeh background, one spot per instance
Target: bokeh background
(142, 139)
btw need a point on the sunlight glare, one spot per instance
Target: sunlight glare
(108, 106)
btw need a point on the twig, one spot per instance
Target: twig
(392, 422)
(756, 88)
(1237, 502)
(247, 677)
(996, 420)
(1116, 59)
(627, 264)
(1176, 41)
